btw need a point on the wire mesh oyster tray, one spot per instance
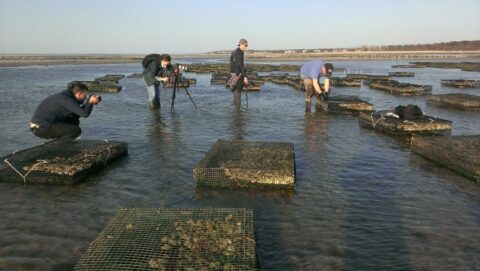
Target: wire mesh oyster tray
(60, 162)
(238, 163)
(174, 239)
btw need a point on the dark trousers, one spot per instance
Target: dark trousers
(62, 131)
(240, 84)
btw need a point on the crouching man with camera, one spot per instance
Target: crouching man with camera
(57, 116)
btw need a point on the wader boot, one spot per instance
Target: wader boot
(308, 106)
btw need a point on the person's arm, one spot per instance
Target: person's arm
(316, 86)
(82, 111)
(326, 85)
(163, 74)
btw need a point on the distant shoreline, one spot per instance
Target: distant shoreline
(13, 60)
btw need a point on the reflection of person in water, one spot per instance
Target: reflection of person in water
(316, 130)
(238, 118)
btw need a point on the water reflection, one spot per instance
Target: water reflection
(361, 202)
(238, 118)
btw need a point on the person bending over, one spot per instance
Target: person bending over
(311, 74)
(57, 116)
(156, 69)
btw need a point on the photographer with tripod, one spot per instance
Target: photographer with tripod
(156, 70)
(57, 117)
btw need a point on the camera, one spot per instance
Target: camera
(98, 97)
(180, 69)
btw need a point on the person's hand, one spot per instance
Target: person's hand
(94, 99)
(161, 79)
(245, 80)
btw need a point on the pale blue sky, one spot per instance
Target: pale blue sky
(186, 26)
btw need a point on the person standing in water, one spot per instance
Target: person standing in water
(238, 77)
(156, 69)
(312, 73)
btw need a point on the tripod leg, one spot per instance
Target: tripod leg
(175, 84)
(191, 99)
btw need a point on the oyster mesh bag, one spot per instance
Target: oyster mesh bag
(174, 239)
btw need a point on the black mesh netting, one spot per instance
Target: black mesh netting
(246, 163)
(60, 161)
(174, 239)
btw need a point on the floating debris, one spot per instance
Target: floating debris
(174, 239)
(238, 163)
(401, 74)
(458, 153)
(344, 104)
(461, 83)
(386, 122)
(455, 100)
(60, 162)
(397, 88)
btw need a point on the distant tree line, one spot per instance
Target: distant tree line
(471, 45)
(466, 45)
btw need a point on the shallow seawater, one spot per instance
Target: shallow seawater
(363, 201)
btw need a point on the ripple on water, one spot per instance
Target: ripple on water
(363, 201)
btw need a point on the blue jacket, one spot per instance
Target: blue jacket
(312, 69)
(60, 108)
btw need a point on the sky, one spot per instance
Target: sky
(188, 26)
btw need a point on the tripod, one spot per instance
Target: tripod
(175, 89)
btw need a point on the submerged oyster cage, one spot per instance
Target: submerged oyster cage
(455, 100)
(397, 88)
(95, 86)
(60, 162)
(344, 104)
(461, 83)
(174, 239)
(427, 125)
(238, 163)
(458, 153)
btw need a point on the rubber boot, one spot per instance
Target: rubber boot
(154, 105)
(308, 106)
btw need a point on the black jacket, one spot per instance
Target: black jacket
(155, 69)
(61, 108)
(236, 62)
